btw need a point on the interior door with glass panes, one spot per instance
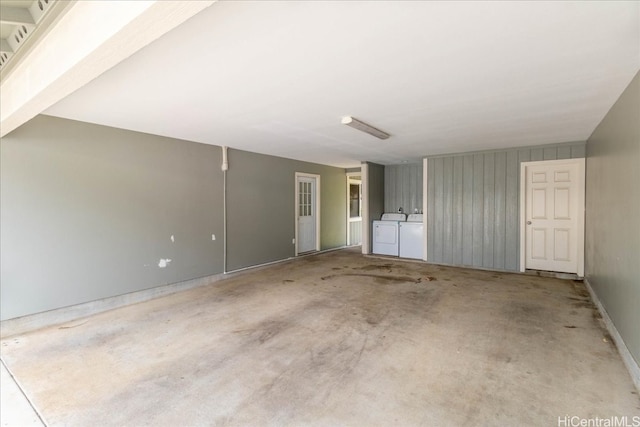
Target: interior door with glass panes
(306, 207)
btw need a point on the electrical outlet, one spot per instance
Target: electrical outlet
(213, 237)
(293, 241)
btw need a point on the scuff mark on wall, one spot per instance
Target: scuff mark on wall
(164, 262)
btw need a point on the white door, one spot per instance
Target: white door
(554, 215)
(306, 212)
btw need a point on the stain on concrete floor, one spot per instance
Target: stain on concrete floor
(334, 339)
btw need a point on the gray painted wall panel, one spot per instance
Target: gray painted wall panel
(431, 210)
(512, 257)
(482, 189)
(612, 240)
(403, 187)
(457, 210)
(438, 231)
(467, 211)
(375, 194)
(524, 155)
(499, 219)
(489, 211)
(447, 210)
(578, 151)
(261, 211)
(564, 153)
(550, 153)
(478, 209)
(88, 213)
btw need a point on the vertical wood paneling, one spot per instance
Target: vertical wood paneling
(467, 210)
(489, 195)
(439, 209)
(397, 189)
(578, 151)
(523, 156)
(512, 211)
(550, 153)
(415, 187)
(403, 187)
(408, 186)
(431, 203)
(447, 206)
(418, 191)
(402, 179)
(457, 210)
(473, 205)
(537, 154)
(564, 152)
(389, 190)
(499, 222)
(478, 208)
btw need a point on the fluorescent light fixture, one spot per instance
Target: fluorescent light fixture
(361, 126)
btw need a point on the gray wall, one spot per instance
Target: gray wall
(473, 204)
(403, 187)
(375, 196)
(261, 211)
(87, 212)
(612, 238)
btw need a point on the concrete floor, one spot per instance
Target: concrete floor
(334, 339)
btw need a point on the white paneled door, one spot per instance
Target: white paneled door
(307, 213)
(554, 215)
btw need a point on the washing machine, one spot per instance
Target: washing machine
(386, 234)
(412, 237)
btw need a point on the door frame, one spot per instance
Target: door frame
(581, 207)
(350, 180)
(316, 208)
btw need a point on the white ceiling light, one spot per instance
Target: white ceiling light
(361, 126)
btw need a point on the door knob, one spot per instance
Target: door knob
(528, 222)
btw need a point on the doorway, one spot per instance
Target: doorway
(552, 216)
(307, 204)
(354, 209)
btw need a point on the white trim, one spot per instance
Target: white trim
(627, 357)
(366, 228)
(581, 205)
(351, 180)
(523, 214)
(425, 207)
(316, 207)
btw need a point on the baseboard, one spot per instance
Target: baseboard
(627, 357)
(21, 325)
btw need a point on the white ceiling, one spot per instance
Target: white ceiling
(440, 77)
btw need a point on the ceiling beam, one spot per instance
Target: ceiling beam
(15, 15)
(4, 46)
(89, 39)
